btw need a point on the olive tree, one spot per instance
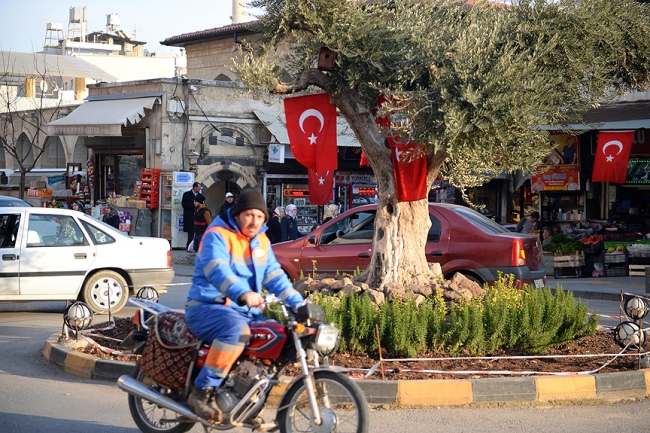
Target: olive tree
(474, 83)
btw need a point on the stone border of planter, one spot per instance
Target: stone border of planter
(628, 384)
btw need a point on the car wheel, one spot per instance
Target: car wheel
(106, 290)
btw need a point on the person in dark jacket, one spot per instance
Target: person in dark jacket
(289, 224)
(111, 216)
(202, 219)
(275, 226)
(228, 204)
(188, 211)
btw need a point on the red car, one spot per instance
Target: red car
(460, 239)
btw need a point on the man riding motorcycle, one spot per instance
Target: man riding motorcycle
(234, 262)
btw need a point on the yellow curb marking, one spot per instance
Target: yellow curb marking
(565, 388)
(80, 364)
(47, 350)
(434, 392)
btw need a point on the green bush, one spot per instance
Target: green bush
(527, 320)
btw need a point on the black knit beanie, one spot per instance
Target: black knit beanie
(250, 199)
(199, 198)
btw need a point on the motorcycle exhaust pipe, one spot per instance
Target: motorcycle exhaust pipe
(130, 385)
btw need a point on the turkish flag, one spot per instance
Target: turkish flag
(410, 177)
(311, 126)
(321, 187)
(612, 155)
(363, 161)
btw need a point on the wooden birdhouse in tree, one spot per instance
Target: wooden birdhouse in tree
(326, 58)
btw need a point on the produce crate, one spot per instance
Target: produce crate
(608, 244)
(614, 258)
(568, 272)
(637, 270)
(618, 271)
(571, 261)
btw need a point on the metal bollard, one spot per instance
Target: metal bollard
(647, 279)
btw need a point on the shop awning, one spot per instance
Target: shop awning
(276, 124)
(103, 117)
(626, 115)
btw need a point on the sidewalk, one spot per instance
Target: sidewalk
(606, 288)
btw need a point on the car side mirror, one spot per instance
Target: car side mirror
(312, 240)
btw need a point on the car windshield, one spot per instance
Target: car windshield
(483, 223)
(13, 203)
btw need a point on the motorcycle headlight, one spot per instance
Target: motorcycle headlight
(327, 339)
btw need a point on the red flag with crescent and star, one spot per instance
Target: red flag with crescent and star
(311, 126)
(612, 155)
(411, 176)
(321, 187)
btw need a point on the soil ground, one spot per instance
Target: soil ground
(563, 359)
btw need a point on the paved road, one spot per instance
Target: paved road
(38, 397)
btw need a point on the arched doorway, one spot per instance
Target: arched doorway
(215, 196)
(219, 178)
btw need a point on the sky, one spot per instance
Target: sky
(23, 23)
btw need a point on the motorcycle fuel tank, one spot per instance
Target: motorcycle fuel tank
(267, 340)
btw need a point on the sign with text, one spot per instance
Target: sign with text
(556, 178)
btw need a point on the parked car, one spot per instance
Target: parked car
(460, 239)
(60, 254)
(8, 201)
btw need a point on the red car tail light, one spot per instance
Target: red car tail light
(518, 253)
(169, 258)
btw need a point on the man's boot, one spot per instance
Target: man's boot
(204, 406)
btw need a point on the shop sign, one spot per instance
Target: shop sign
(638, 172)
(294, 192)
(556, 178)
(566, 151)
(276, 153)
(348, 177)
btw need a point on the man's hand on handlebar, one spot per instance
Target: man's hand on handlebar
(251, 299)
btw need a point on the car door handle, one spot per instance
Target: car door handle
(364, 255)
(9, 257)
(80, 255)
(437, 253)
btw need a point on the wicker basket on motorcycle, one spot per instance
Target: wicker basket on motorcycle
(168, 352)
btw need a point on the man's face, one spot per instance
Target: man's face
(229, 200)
(196, 188)
(250, 222)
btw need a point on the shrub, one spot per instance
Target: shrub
(529, 320)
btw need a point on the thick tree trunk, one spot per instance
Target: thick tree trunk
(401, 228)
(21, 185)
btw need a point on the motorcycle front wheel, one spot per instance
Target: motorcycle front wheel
(151, 418)
(342, 404)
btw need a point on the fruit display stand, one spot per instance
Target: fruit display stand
(568, 266)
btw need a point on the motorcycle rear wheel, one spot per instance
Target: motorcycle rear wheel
(151, 418)
(343, 406)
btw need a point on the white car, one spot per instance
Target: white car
(53, 254)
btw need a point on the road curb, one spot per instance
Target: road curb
(627, 384)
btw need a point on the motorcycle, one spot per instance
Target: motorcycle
(320, 399)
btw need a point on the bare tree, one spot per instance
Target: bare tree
(25, 111)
